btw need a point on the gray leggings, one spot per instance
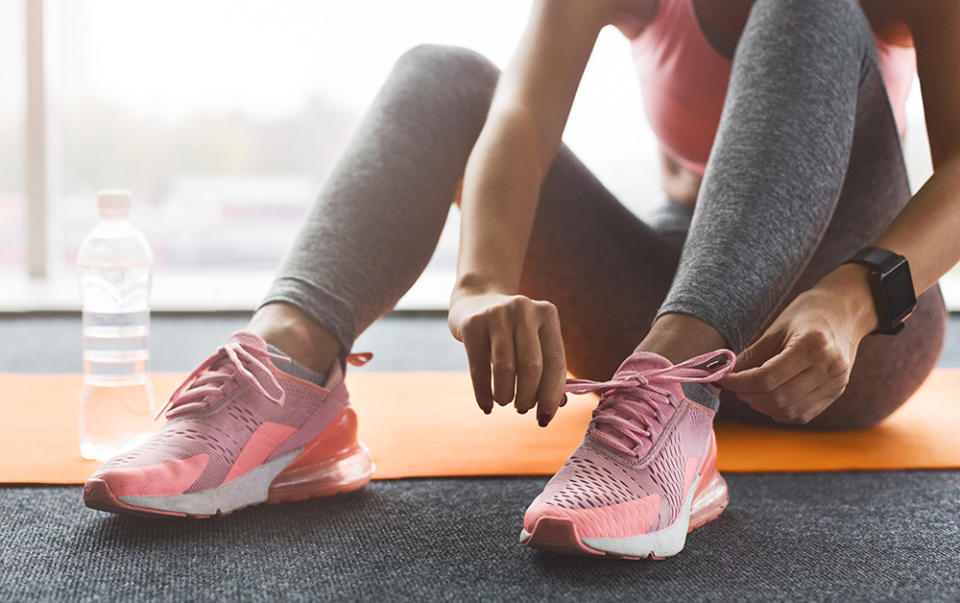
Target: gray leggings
(805, 170)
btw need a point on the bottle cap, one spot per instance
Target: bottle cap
(114, 202)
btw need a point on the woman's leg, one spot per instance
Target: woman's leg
(379, 217)
(806, 169)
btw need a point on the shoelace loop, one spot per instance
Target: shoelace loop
(206, 381)
(630, 404)
(359, 358)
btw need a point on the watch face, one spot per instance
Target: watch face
(898, 290)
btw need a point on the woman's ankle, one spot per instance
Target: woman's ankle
(291, 331)
(678, 337)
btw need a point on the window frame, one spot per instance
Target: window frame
(37, 157)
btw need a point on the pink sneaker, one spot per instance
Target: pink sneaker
(646, 471)
(240, 432)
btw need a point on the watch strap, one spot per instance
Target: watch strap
(876, 258)
(880, 261)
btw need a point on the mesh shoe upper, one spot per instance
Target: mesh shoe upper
(631, 472)
(236, 405)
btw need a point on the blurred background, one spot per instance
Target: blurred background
(224, 118)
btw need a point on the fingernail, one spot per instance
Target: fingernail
(543, 419)
(523, 412)
(563, 400)
(487, 411)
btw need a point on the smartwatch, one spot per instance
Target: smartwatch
(891, 285)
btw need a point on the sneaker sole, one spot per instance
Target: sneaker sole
(267, 483)
(559, 535)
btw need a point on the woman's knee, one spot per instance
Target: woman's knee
(812, 28)
(822, 15)
(444, 83)
(449, 65)
(852, 411)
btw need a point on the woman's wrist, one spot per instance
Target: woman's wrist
(847, 289)
(473, 283)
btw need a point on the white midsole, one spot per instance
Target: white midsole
(249, 489)
(662, 543)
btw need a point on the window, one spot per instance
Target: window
(224, 118)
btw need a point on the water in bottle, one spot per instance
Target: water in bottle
(115, 263)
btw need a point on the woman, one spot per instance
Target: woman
(800, 171)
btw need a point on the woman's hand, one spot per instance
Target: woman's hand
(802, 362)
(521, 338)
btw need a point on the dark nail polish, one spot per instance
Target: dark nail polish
(563, 401)
(543, 419)
(487, 411)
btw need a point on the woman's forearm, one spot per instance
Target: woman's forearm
(925, 232)
(521, 137)
(500, 190)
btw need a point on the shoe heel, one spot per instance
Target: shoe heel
(333, 463)
(345, 474)
(711, 497)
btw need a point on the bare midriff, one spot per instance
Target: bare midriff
(678, 182)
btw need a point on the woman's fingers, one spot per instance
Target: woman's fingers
(550, 395)
(503, 356)
(808, 407)
(771, 373)
(515, 343)
(803, 397)
(476, 340)
(779, 402)
(760, 351)
(818, 401)
(529, 363)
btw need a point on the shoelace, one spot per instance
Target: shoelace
(205, 384)
(630, 404)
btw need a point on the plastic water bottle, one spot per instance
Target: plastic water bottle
(115, 264)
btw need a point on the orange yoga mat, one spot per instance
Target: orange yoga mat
(427, 424)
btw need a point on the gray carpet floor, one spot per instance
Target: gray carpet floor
(862, 536)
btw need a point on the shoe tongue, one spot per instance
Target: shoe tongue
(638, 362)
(641, 361)
(249, 340)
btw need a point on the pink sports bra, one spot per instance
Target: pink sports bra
(684, 81)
